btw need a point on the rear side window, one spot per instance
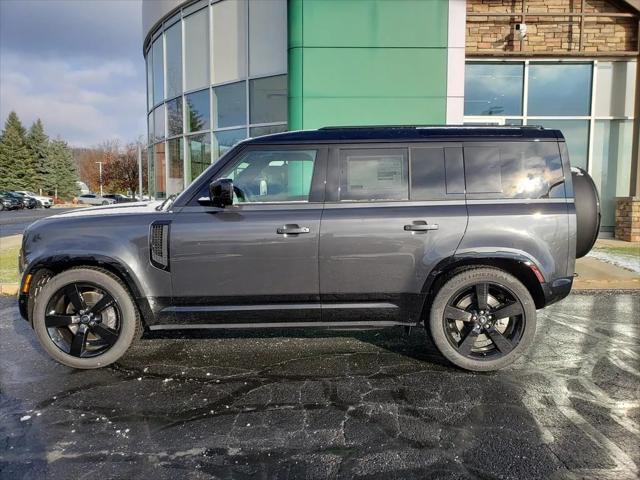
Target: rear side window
(427, 174)
(514, 170)
(374, 174)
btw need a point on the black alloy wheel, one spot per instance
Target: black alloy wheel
(83, 320)
(484, 321)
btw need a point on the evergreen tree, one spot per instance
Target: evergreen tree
(63, 176)
(38, 143)
(16, 164)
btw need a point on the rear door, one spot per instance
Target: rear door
(392, 212)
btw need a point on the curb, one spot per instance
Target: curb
(9, 288)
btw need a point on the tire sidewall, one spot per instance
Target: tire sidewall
(115, 289)
(469, 278)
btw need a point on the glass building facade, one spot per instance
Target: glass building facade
(216, 74)
(590, 101)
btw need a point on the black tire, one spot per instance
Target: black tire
(518, 331)
(105, 203)
(588, 214)
(1, 207)
(107, 346)
(47, 206)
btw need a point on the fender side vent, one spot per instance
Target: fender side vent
(159, 245)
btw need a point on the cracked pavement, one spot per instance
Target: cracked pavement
(318, 404)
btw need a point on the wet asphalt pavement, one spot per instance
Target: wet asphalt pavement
(298, 404)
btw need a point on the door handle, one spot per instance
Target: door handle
(292, 229)
(420, 226)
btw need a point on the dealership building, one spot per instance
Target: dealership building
(219, 71)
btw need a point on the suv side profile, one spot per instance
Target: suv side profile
(466, 231)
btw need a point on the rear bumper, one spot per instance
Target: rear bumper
(557, 289)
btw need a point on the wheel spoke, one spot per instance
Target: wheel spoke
(75, 297)
(508, 311)
(499, 340)
(58, 320)
(464, 348)
(104, 333)
(79, 341)
(482, 292)
(457, 314)
(105, 302)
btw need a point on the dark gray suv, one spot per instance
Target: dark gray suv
(464, 230)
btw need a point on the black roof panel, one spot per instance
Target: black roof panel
(409, 133)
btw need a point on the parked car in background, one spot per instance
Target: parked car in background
(95, 199)
(43, 201)
(27, 201)
(9, 202)
(118, 197)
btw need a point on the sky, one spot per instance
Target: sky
(75, 64)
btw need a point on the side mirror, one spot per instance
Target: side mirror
(221, 192)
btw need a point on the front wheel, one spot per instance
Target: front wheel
(85, 318)
(483, 319)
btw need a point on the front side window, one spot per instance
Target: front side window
(272, 176)
(514, 170)
(374, 174)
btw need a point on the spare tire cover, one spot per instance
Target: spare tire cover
(587, 202)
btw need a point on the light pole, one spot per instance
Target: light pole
(100, 166)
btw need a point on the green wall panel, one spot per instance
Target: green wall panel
(364, 62)
(375, 23)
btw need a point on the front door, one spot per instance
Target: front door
(392, 214)
(257, 260)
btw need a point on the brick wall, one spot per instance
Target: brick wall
(628, 219)
(552, 35)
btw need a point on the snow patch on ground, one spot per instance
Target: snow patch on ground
(627, 262)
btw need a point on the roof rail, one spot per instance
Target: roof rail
(424, 127)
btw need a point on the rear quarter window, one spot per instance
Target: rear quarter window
(514, 170)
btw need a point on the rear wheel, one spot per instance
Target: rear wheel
(483, 319)
(85, 318)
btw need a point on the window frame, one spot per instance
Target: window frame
(318, 179)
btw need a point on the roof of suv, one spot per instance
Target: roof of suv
(409, 133)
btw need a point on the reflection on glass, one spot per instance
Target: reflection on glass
(149, 80)
(150, 127)
(174, 117)
(196, 50)
(159, 171)
(229, 41)
(158, 121)
(175, 182)
(174, 60)
(612, 144)
(267, 37)
(151, 168)
(576, 134)
(615, 89)
(259, 131)
(559, 89)
(199, 154)
(223, 141)
(427, 173)
(197, 111)
(158, 70)
(268, 99)
(229, 105)
(493, 88)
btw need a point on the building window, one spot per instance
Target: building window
(159, 174)
(615, 89)
(493, 89)
(229, 41)
(149, 60)
(175, 182)
(576, 134)
(174, 117)
(158, 122)
(158, 71)
(199, 154)
(174, 60)
(268, 130)
(198, 111)
(196, 48)
(267, 37)
(268, 99)
(223, 141)
(230, 105)
(559, 89)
